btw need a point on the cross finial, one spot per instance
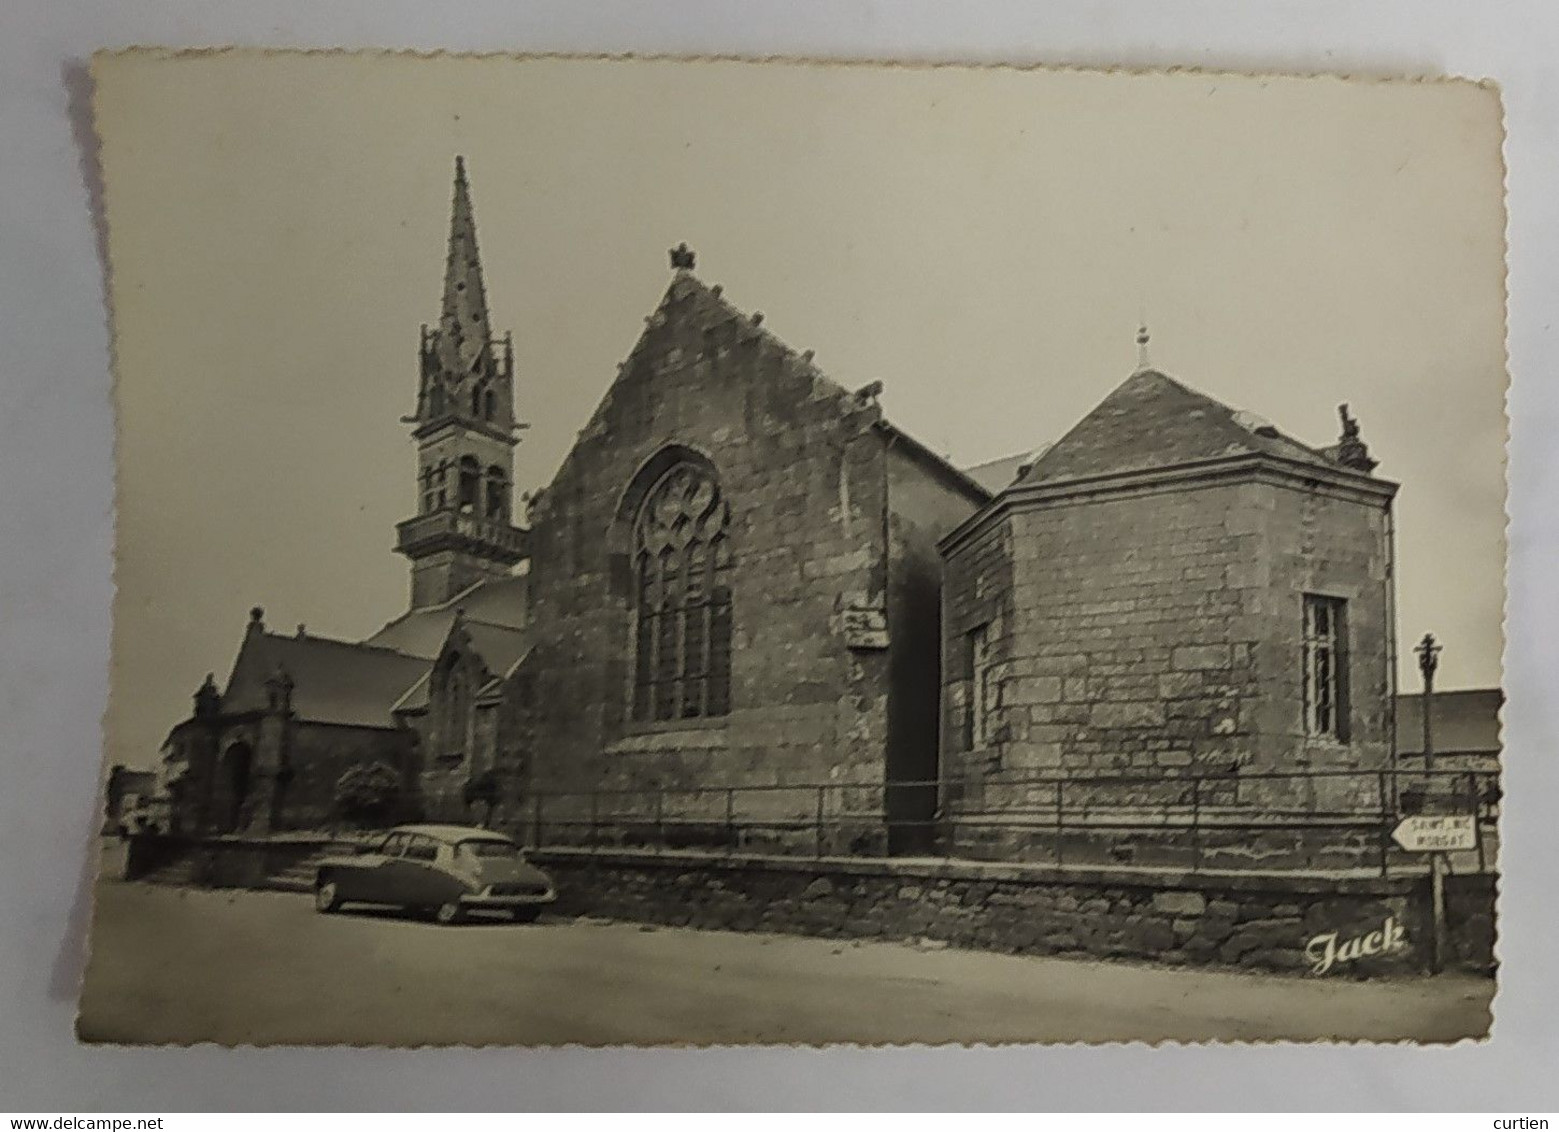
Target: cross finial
(682, 257)
(1352, 452)
(1142, 347)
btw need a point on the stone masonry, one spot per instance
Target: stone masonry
(833, 522)
(1147, 623)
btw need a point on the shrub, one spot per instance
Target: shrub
(367, 793)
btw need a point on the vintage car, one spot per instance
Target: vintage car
(445, 870)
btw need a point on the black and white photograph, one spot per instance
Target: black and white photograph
(698, 552)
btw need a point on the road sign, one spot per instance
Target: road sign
(1436, 833)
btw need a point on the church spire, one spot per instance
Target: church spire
(464, 333)
(464, 428)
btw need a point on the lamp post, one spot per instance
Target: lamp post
(1428, 660)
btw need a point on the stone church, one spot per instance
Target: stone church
(744, 576)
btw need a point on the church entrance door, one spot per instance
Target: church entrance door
(235, 773)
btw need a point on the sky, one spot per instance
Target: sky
(984, 241)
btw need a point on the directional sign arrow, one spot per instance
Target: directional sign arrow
(1436, 833)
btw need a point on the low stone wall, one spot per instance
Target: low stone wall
(223, 862)
(1285, 923)
(1340, 926)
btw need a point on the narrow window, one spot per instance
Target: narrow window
(457, 712)
(682, 618)
(497, 494)
(1325, 674)
(978, 675)
(470, 481)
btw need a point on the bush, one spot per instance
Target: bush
(367, 793)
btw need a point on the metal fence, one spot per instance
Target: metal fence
(1286, 821)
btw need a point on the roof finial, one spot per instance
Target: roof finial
(1351, 451)
(682, 257)
(1142, 348)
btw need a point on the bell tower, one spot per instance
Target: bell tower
(465, 432)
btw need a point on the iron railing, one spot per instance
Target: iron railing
(1283, 821)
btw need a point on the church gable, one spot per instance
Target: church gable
(696, 342)
(696, 559)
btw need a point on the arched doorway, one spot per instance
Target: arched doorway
(233, 777)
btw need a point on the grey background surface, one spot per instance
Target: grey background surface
(56, 442)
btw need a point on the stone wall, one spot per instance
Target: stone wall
(1156, 634)
(802, 465)
(1266, 923)
(319, 754)
(1124, 649)
(224, 862)
(1335, 544)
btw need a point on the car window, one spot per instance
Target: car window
(420, 848)
(393, 845)
(489, 848)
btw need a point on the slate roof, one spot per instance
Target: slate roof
(421, 632)
(499, 646)
(1153, 421)
(993, 475)
(333, 681)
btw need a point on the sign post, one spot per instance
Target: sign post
(1436, 833)
(1428, 660)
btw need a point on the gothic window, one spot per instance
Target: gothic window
(470, 482)
(497, 493)
(457, 711)
(490, 407)
(682, 564)
(1325, 675)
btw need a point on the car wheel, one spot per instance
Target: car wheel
(451, 913)
(326, 897)
(524, 915)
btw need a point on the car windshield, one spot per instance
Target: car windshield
(489, 848)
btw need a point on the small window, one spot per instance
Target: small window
(978, 675)
(1326, 668)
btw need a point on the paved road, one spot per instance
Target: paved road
(180, 965)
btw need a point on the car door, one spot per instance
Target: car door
(372, 879)
(419, 881)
